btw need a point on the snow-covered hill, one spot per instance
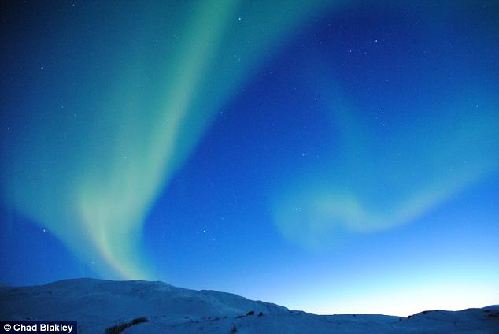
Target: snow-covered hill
(156, 307)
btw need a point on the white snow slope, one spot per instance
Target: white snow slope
(98, 305)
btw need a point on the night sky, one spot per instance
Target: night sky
(333, 157)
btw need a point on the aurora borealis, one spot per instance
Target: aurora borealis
(112, 158)
(311, 154)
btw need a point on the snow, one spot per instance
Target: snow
(99, 304)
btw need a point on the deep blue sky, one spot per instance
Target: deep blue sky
(328, 157)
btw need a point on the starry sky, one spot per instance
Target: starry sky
(330, 156)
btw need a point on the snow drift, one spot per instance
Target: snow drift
(129, 307)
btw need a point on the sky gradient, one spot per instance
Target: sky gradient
(330, 156)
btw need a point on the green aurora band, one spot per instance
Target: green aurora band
(90, 167)
(382, 177)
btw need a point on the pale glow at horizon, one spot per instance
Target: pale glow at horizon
(410, 299)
